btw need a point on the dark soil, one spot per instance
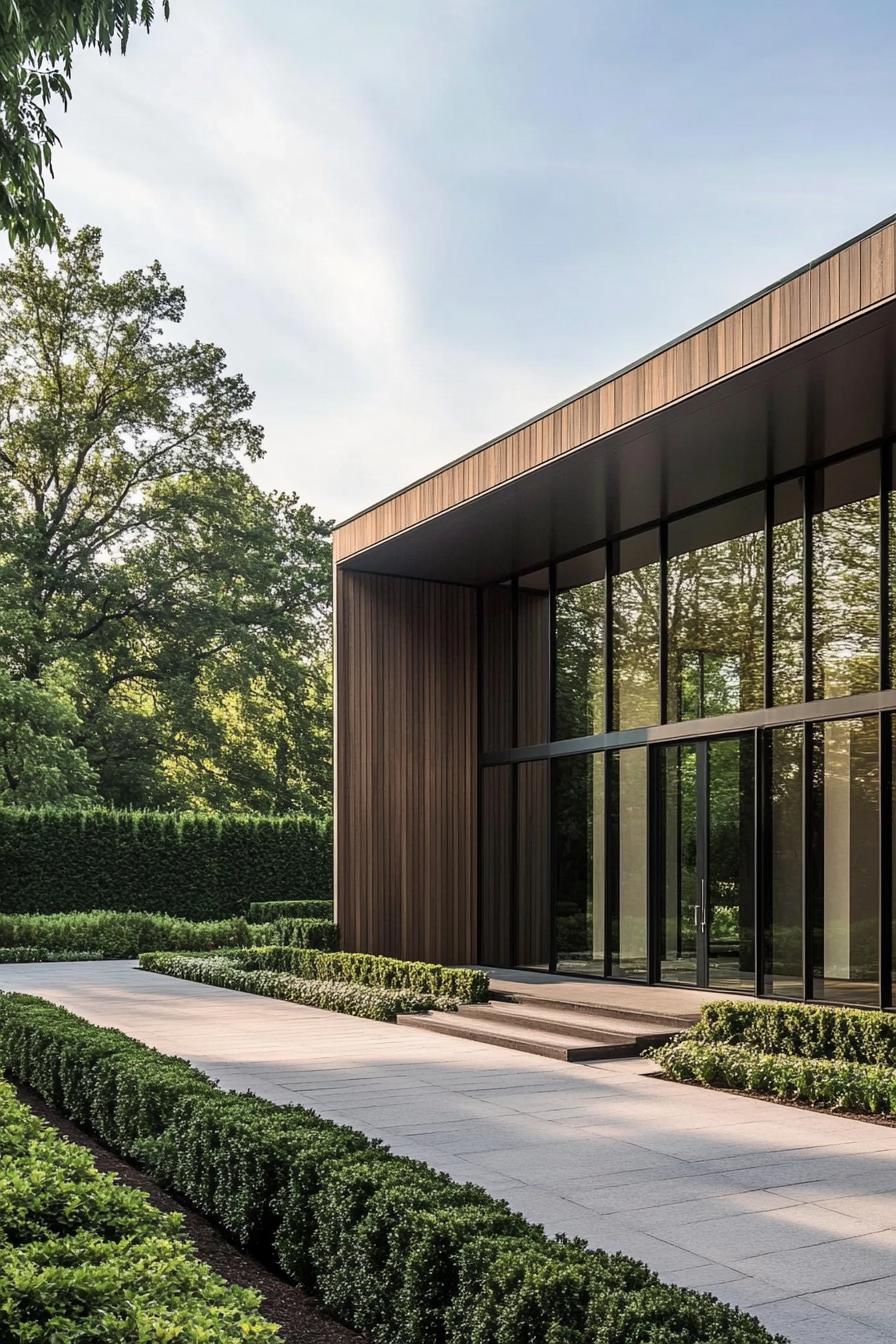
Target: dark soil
(298, 1315)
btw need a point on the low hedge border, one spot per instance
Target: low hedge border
(389, 1245)
(364, 968)
(84, 1257)
(17, 954)
(124, 934)
(263, 912)
(819, 1031)
(835, 1084)
(383, 1005)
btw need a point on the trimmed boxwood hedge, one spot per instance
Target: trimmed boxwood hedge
(836, 1058)
(835, 1084)
(821, 1031)
(112, 933)
(20, 954)
(363, 968)
(263, 912)
(334, 995)
(83, 1257)
(197, 867)
(387, 1244)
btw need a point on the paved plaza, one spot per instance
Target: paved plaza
(785, 1212)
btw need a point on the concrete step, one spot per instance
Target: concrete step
(595, 1008)
(534, 1041)
(633, 1031)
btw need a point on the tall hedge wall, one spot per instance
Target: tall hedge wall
(194, 866)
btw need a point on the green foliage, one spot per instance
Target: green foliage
(83, 1257)
(38, 39)
(866, 1089)
(838, 1058)
(316, 933)
(185, 611)
(335, 996)
(120, 933)
(388, 1244)
(856, 1035)
(363, 968)
(264, 912)
(198, 867)
(19, 954)
(39, 760)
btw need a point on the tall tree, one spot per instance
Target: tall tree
(37, 38)
(187, 608)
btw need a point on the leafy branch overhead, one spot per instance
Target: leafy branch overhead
(37, 39)
(182, 612)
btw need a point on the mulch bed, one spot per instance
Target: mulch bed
(298, 1315)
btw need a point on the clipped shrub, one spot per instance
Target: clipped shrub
(836, 1084)
(820, 1031)
(363, 968)
(194, 866)
(83, 1257)
(317, 933)
(264, 912)
(390, 1245)
(334, 995)
(107, 933)
(46, 954)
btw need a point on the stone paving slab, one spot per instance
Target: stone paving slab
(789, 1214)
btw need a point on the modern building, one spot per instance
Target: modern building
(615, 691)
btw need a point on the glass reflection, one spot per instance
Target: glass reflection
(579, 618)
(629, 945)
(730, 859)
(715, 610)
(679, 892)
(788, 594)
(784, 902)
(845, 578)
(635, 589)
(846, 861)
(579, 839)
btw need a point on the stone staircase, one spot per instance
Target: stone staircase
(555, 1028)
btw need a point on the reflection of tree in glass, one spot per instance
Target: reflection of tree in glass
(580, 661)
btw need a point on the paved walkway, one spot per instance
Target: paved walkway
(785, 1212)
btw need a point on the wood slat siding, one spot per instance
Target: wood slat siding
(859, 275)
(406, 767)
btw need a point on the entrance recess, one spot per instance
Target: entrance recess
(706, 870)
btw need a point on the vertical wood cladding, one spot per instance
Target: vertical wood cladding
(406, 767)
(826, 292)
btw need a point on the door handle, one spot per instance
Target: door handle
(703, 905)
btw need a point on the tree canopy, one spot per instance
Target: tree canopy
(37, 38)
(180, 612)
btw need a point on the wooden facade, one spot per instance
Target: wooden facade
(406, 767)
(856, 277)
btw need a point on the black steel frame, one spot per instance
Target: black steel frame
(807, 713)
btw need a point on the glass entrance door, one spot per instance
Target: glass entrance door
(706, 871)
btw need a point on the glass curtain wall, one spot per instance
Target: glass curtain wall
(679, 623)
(715, 604)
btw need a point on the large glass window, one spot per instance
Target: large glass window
(846, 577)
(680, 884)
(715, 610)
(784, 896)
(788, 594)
(846, 868)
(580, 848)
(630, 820)
(635, 588)
(580, 643)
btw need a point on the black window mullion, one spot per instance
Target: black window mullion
(768, 591)
(664, 621)
(811, 861)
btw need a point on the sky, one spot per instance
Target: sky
(413, 224)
